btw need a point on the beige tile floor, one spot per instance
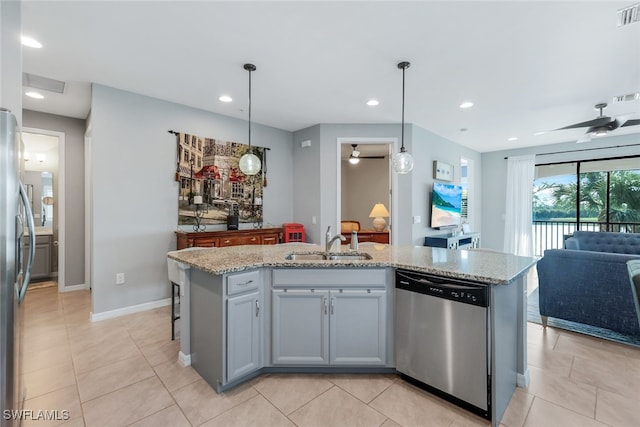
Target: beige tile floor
(124, 372)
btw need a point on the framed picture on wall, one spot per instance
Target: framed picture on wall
(442, 171)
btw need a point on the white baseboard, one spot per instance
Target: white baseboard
(73, 288)
(523, 380)
(96, 317)
(184, 359)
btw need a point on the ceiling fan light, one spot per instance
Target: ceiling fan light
(354, 160)
(600, 131)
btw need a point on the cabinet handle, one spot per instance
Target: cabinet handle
(227, 241)
(324, 305)
(257, 308)
(333, 303)
(248, 282)
(253, 239)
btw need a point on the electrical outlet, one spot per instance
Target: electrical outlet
(119, 278)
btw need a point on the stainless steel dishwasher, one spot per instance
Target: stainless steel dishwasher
(441, 338)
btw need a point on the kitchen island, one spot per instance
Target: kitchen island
(254, 310)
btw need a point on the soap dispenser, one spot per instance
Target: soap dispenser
(354, 240)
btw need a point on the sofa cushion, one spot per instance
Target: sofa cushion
(601, 241)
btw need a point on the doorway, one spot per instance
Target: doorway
(44, 172)
(370, 181)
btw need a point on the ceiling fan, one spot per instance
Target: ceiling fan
(354, 157)
(602, 124)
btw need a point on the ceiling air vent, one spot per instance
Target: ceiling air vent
(44, 83)
(627, 97)
(629, 15)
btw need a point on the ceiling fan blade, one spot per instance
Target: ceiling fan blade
(372, 157)
(599, 121)
(632, 122)
(584, 138)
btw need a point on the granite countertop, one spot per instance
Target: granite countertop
(478, 265)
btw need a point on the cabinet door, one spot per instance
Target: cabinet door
(243, 334)
(358, 327)
(300, 327)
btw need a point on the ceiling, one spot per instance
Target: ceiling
(526, 65)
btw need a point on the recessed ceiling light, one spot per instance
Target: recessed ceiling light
(35, 95)
(466, 104)
(463, 129)
(31, 42)
(513, 138)
(542, 132)
(372, 102)
(225, 98)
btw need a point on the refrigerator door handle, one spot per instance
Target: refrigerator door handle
(32, 243)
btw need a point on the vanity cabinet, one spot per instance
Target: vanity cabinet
(329, 317)
(41, 268)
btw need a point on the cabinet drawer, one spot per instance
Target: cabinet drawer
(329, 277)
(269, 239)
(243, 282)
(239, 240)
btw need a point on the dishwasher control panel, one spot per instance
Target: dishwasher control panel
(443, 287)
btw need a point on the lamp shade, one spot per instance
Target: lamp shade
(379, 211)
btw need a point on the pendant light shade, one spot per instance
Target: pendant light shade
(402, 161)
(249, 163)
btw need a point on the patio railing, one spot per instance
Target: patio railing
(551, 234)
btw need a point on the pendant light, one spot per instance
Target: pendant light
(249, 163)
(403, 161)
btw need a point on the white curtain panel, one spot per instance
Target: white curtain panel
(518, 235)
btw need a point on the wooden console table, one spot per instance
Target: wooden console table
(258, 236)
(369, 236)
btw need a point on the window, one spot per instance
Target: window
(595, 195)
(186, 156)
(237, 190)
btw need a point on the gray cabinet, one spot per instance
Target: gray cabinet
(300, 327)
(42, 260)
(226, 326)
(243, 334)
(330, 317)
(358, 327)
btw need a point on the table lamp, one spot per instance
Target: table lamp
(379, 212)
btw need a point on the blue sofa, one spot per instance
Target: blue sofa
(588, 281)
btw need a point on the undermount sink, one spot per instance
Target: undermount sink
(322, 256)
(338, 257)
(313, 256)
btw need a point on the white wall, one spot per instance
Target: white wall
(73, 130)
(412, 189)
(135, 209)
(306, 182)
(428, 147)
(363, 185)
(494, 174)
(11, 57)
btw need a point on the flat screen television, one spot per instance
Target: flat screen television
(446, 205)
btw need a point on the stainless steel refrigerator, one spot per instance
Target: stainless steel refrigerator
(15, 216)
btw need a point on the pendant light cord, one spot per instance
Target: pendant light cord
(250, 110)
(402, 147)
(249, 68)
(404, 65)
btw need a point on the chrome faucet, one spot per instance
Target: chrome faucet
(329, 240)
